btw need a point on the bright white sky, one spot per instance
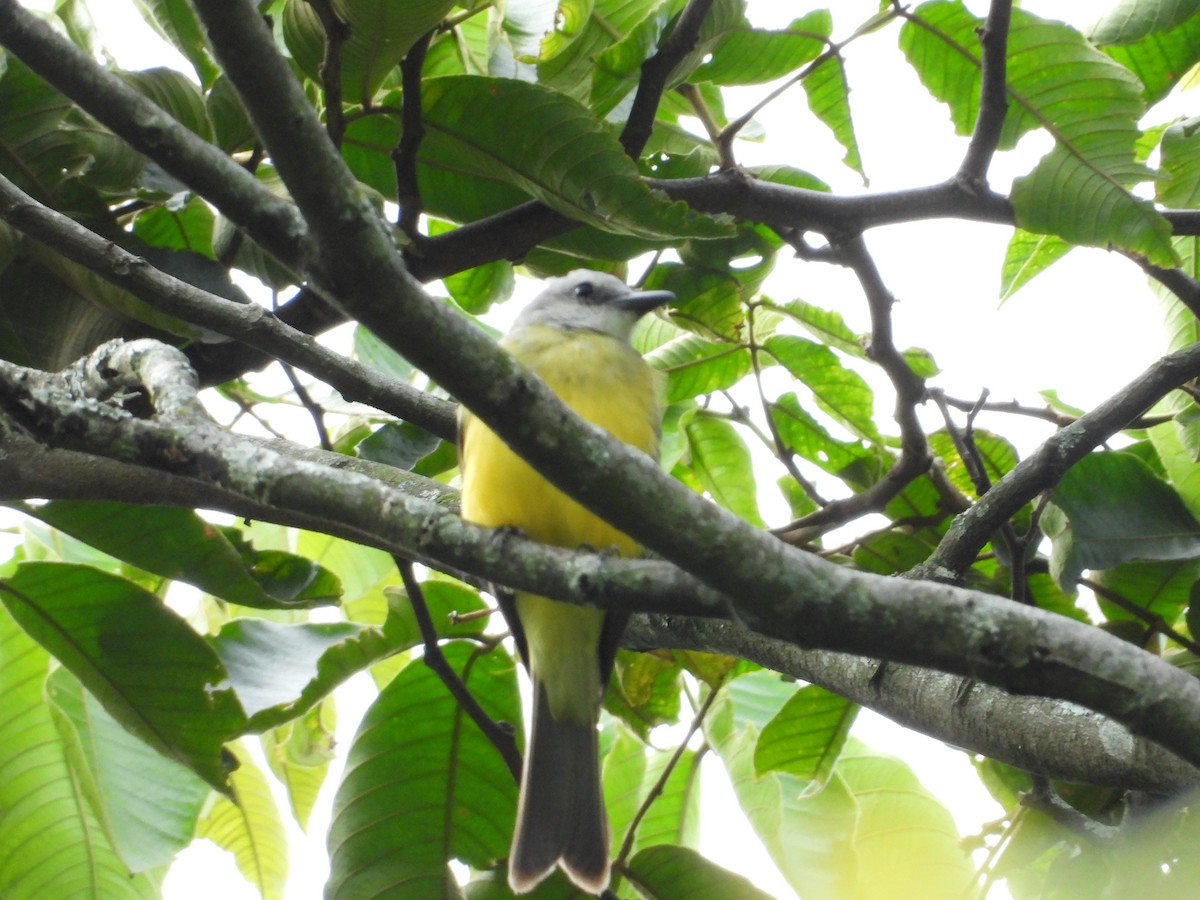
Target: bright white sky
(1085, 327)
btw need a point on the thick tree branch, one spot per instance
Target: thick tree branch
(250, 323)
(803, 600)
(1050, 737)
(1044, 468)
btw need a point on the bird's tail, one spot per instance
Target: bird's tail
(560, 815)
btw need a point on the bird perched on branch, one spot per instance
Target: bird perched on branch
(576, 336)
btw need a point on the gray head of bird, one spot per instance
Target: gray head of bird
(590, 301)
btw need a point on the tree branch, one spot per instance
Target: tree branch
(993, 97)
(250, 323)
(802, 600)
(1045, 467)
(1050, 737)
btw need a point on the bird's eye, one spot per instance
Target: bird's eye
(584, 290)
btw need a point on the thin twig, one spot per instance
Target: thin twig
(337, 32)
(659, 785)
(501, 737)
(404, 154)
(1150, 620)
(314, 409)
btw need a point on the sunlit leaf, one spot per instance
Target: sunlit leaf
(147, 803)
(51, 844)
(422, 785)
(249, 827)
(721, 460)
(110, 633)
(806, 736)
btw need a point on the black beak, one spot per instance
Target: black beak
(642, 302)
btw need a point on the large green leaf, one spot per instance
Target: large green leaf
(856, 464)
(694, 366)
(176, 21)
(1163, 589)
(36, 152)
(720, 460)
(1110, 508)
(279, 671)
(249, 827)
(149, 669)
(839, 391)
(178, 544)
(422, 785)
(1160, 59)
(51, 845)
(380, 34)
(147, 803)
(810, 842)
(466, 119)
(756, 56)
(1132, 20)
(806, 736)
(674, 815)
(665, 872)
(905, 841)
(1088, 102)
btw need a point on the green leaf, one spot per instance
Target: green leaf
(721, 461)
(36, 151)
(859, 466)
(809, 841)
(177, 544)
(147, 803)
(1110, 508)
(1161, 59)
(829, 99)
(1028, 255)
(806, 736)
(1089, 103)
(381, 33)
(756, 56)
(299, 754)
(595, 184)
(694, 366)
(1180, 149)
(1132, 20)
(279, 671)
(904, 840)
(839, 391)
(664, 872)
(674, 816)
(175, 21)
(826, 325)
(174, 93)
(110, 633)
(51, 845)
(189, 227)
(422, 785)
(249, 827)
(1163, 589)
(398, 444)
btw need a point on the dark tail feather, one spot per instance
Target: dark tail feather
(560, 816)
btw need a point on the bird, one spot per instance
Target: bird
(575, 335)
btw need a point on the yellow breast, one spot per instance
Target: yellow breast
(607, 383)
